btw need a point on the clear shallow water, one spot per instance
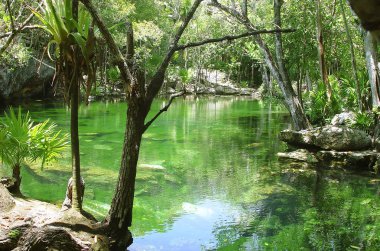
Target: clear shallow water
(208, 179)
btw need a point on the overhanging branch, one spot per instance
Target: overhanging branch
(164, 109)
(230, 38)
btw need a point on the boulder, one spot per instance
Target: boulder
(303, 138)
(338, 138)
(342, 139)
(344, 118)
(7, 201)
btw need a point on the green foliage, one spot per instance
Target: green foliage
(21, 139)
(14, 234)
(364, 121)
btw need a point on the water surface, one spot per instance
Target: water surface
(208, 179)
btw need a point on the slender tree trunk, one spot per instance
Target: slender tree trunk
(121, 208)
(370, 46)
(321, 53)
(74, 127)
(75, 154)
(278, 40)
(353, 59)
(16, 174)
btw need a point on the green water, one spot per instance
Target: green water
(208, 179)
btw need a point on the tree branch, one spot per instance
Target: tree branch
(164, 109)
(15, 32)
(27, 27)
(158, 78)
(119, 59)
(10, 15)
(230, 38)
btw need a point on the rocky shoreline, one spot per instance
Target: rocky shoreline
(331, 146)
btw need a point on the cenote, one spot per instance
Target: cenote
(209, 179)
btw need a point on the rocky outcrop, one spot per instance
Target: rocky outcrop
(29, 80)
(353, 160)
(340, 138)
(344, 118)
(331, 147)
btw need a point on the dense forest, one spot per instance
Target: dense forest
(257, 120)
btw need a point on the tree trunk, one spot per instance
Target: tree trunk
(75, 154)
(370, 46)
(292, 102)
(353, 59)
(321, 53)
(278, 40)
(121, 208)
(74, 106)
(16, 174)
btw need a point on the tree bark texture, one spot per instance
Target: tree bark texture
(16, 175)
(370, 46)
(353, 59)
(321, 53)
(120, 214)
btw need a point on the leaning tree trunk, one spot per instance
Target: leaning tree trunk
(370, 46)
(353, 59)
(121, 208)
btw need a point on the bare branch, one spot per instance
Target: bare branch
(25, 28)
(164, 109)
(158, 78)
(10, 15)
(230, 38)
(15, 32)
(119, 59)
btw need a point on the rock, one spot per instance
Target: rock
(344, 118)
(338, 138)
(353, 160)
(301, 155)
(303, 138)
(25, 81)
(226, 90)
(342, 139)
(357, 160)
(6, 199)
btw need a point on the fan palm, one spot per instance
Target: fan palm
(23, 140)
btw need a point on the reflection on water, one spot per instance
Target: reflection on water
(208, 179)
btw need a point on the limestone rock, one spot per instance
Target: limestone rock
(301, 155)
(6, 199)
(358, 160)
(303, 138)
(342, 139)
(338, 138)
(344, 118)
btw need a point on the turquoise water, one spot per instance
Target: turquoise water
(209, 179)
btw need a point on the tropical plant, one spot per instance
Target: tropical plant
(74, 48)
(23, 140)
